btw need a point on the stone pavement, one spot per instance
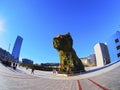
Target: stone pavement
(22, 79)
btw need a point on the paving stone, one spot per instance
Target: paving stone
(22, 79)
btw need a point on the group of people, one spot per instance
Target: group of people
(14, 65)
(54, 71)
(6, 63)
(32, 69)
(9, 63)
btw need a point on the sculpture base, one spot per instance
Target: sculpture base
(68, 75)
(62, 75)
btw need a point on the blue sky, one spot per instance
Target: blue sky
(39, 21)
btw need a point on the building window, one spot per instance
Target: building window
(118, 54)
(117, 40)
(118, 47)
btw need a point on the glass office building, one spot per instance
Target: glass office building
(17, 48)
(113, 44)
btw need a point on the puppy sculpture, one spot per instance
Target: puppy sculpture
(69, 61)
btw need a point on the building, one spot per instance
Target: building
(89, 61)
(92, 59)
(17, 48)
(27, 61)
(5, 55)
(102, 54)
(113, 44)
(84, 61)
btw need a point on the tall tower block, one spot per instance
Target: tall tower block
(17, 48)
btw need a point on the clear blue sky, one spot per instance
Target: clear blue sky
(39, 21)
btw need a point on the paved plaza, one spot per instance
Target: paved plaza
(21, 79)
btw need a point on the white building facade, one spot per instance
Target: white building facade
(102, 54)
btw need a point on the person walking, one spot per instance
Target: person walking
(32, 70)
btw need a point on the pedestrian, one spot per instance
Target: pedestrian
(54, 71)
(32, 71)
(14, 66)
(26, 67)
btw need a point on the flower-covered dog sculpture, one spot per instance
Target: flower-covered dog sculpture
(69, 61)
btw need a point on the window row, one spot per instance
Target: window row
(118, 47)
(117, 40)
(118, 54)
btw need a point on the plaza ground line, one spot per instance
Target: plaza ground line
(79, 86)
(100, 86)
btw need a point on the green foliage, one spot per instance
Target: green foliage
(38, 67)
(26, 65)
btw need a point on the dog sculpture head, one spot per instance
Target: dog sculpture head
(63, 42)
